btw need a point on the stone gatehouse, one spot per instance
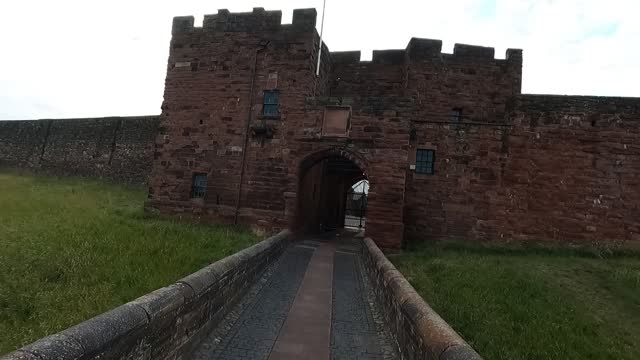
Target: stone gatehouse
(451, 149)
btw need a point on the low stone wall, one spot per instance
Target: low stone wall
(167, 323)
(420, 332)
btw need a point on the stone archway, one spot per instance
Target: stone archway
(385, 201)
(324, 180)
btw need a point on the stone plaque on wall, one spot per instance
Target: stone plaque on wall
(337, 121)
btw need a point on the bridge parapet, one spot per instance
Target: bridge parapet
(419, 331)
(164, 324)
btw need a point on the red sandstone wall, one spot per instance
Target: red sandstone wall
(573, 172)
(470, 78)
(207, 97)
(456, 201)
(383, 76)
(208, 103)
(120, 149)
(377, 143)
(524, 167)
(379, 133)
(565, 169)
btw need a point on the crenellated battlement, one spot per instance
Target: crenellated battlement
(473, 51)
(514, 55)
(295, 46)
(389, 57)
(345, 57)
(304, 20)
(426, 48)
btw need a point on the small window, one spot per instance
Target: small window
(270, 104)
(424, 161)
(199, 186)
(456, 114)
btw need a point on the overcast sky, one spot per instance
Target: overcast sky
(87, 58)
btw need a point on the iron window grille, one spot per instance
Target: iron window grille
(456, 114)
(199, 186)
(425, 160)
(270, 104)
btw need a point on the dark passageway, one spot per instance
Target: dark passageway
(326, 194)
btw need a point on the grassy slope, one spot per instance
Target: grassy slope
(71, 249)
(532, 303)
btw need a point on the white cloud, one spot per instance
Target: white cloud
(86, 58)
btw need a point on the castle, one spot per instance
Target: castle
(451, 149)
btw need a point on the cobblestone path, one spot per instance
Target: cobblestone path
(313, 303)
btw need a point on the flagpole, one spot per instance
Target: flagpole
(324, 6)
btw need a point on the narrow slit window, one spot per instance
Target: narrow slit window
(456, 114)
(271, 103)
(425, 160)
(199, 186)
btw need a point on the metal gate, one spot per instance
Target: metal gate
(355, 212)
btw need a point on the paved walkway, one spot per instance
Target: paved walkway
(314, 303)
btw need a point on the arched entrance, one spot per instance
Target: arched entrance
(326, 193)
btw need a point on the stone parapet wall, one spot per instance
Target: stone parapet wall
(167, 323)
(116, 148)
(420, 332)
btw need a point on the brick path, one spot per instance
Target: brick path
(314, 303)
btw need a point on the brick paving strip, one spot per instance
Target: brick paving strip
(313, 303)
(254, 333)
(306, 333)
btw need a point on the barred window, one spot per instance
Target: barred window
(456, 114)
(270, 104)
(199, 186)
(424, 161)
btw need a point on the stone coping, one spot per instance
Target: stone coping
(420, 332)
(165, 323)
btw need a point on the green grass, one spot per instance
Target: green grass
(532, 303)
(71, 249)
